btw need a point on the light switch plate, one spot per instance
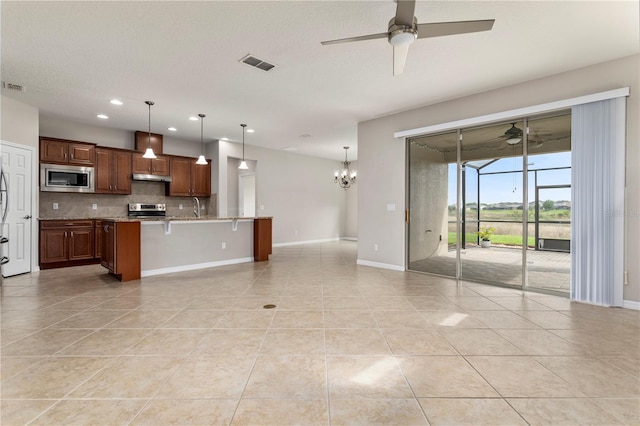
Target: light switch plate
(55, 206)
(391, 207)
(94, 206)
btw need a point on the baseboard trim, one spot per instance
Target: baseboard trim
(630, 304)
(295, 243)
(355, 239)
(162, 271)
(380, 265)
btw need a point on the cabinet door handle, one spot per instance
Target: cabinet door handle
(106, 228)
(109, 187)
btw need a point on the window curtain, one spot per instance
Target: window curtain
(597, 193)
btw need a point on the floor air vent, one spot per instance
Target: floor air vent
(257, 63)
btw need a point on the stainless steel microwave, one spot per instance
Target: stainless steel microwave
(55, 177)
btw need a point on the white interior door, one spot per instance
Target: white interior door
(17, 167)
(247, 195)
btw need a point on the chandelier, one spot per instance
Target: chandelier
(345, 178)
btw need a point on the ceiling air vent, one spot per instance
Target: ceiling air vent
(257, 63)
(13, 86)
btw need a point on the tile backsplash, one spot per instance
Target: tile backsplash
(78, 206)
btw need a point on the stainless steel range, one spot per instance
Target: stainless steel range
(146, 211)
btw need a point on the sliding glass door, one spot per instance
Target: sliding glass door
(492, 208)
(490, 204)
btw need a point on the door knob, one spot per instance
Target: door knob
(27, 217)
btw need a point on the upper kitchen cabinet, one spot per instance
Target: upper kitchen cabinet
(60, 151)
(113, 171)
(189, 179)
(157, 166)
(201, 179)
(142, 142)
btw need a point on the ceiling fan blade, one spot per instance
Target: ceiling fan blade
(359, 38)
(399, 58)
(438, 29)
(405, 12)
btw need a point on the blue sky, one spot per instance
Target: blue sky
(508, 187)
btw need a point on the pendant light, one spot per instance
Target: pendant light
(243, 164)
(149, 152)
(201, 159)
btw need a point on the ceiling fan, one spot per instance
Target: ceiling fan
(513, 136)
(404, 30)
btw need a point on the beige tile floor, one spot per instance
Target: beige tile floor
(345, 345)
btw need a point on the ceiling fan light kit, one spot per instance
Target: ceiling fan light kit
(404, 29)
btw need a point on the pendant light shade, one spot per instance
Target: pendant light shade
(243, 164)
(201, 160)
(149, 152)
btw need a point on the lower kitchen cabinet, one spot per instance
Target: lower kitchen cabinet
(121, 249)
(67, 243)
(262, 246)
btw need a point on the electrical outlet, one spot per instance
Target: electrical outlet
(94, 206)
(224, 246)
(375, 247)
(55, 206)
(180, 206)
(261, 206)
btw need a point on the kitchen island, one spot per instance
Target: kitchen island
(184, 244)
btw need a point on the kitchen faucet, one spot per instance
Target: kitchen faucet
(196, 207)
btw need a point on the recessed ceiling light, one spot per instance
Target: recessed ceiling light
(172, 129)
(192, 118)
(102, 116)
(250, 130)
(116, 101)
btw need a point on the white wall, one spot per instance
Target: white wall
(381, 158)
(19, 123)
(351, 214)
(296, 190)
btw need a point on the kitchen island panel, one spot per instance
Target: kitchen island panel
(188, 245)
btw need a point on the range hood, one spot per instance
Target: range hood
(151, 178)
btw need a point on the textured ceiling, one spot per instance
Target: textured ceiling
(75, 56)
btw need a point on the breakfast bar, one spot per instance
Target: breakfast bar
(188, 244)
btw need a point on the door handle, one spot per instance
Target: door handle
(4, 260)
(27, 216)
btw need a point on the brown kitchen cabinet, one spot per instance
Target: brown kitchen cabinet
(60, 151)
(121, 249)
(189, 179)
(147, 166)
(98, 238)
(113, 171)
(262, 246)
(142, 142)
(201, 179)
(180, 177)
(66, 243)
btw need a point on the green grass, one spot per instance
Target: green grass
(509, 240)
(489, 215)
